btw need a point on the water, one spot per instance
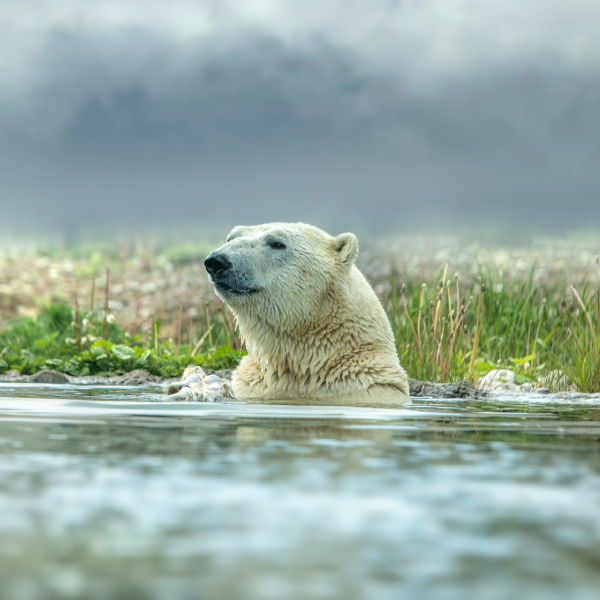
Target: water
(107, 494)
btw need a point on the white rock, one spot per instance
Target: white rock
(556, 380)
(196, 386)
(496, 379)
(186, 393)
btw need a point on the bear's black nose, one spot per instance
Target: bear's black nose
(217, 263)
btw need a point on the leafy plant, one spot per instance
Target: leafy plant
(60, 339)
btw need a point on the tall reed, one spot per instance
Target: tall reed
(579, 355)
(448, 331)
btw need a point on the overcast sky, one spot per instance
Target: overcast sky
(359, 114)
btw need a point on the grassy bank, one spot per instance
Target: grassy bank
(62, 338)
(448, 332)
(445, 330)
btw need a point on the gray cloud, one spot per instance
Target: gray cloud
(366, 123)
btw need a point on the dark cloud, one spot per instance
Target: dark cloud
(128, 129)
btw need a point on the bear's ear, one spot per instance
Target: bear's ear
(346, 245)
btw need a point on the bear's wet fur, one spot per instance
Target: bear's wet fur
(313, 326)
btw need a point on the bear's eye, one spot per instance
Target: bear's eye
(277, 245)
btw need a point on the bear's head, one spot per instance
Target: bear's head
(281, 273)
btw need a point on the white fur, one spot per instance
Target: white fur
(314, 328)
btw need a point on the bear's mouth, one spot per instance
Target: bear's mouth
(227, 289)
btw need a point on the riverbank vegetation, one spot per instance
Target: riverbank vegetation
(446, 332)
(446, 328)
(63, 339)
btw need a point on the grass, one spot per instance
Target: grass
(582, 365)
(445, 330)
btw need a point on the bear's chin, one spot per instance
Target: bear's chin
(228, 292)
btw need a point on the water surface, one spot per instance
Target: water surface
(109, 493)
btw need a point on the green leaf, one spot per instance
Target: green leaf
(98, 352)
(142, 361)
(123, 352)
(3, 365)
(522, 361)
(484, 366)
(41, 345)
(54, 363)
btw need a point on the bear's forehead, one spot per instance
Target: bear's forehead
(288, 230)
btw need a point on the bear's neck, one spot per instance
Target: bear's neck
(340, 322)
(273, 340)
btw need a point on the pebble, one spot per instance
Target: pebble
(49, 376)
(12, 373)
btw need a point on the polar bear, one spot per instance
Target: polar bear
(313, 326)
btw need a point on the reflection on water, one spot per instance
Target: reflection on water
(444, 500)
